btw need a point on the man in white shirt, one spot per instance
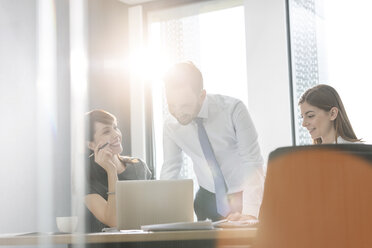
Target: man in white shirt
(232, 138)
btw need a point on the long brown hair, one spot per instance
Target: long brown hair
(326, 97)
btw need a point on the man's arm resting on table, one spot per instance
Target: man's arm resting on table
(250, 153)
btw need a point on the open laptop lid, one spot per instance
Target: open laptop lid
(145, 202)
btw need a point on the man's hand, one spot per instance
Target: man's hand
(238, 216)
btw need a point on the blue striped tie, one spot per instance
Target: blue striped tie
(223, 207)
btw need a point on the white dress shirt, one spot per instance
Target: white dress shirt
(234, 140)
(340, 140)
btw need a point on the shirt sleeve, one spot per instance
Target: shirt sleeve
(172, 157)
(250, 153)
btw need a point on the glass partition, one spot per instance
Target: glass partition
(330, 44)
(42, 42)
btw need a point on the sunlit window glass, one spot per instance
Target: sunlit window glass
(330, 44)
(215, 42)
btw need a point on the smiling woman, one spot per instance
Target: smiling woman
(104, 168)
(324, 116)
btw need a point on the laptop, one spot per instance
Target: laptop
(147, 202)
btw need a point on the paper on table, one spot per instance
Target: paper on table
(110, 229)
(115, 230)
(133, 231)
(199, 225)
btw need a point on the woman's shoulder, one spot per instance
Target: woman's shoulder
(341, 140)
(136, 166)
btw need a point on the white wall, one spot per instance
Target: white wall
(137, 88)
(267, 72)
(20, 186)
(18, 122)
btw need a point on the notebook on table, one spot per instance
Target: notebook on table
(201, 225)
(148, 202)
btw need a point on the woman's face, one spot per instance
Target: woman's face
(318, 122)
(107, 133)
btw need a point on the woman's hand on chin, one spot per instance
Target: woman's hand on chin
(105, 158)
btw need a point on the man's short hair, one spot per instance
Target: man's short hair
(184, 74)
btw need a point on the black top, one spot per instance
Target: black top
(97, 183)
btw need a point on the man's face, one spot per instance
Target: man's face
(184, 103)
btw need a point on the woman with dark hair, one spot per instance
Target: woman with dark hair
(104, 168)
(324, 116)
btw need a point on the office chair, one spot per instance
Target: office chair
(317, 196)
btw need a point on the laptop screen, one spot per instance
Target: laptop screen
(146, 202)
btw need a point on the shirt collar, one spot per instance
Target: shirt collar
(340, 140)
(203, 113)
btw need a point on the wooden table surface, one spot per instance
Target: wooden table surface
(227, 236)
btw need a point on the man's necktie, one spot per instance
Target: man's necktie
(223, 207)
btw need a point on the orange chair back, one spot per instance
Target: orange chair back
(317, 196)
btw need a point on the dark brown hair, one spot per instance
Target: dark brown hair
(183, 74)
(97, 115)
(326, 97)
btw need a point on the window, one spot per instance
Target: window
(331, 44)
(212, 36)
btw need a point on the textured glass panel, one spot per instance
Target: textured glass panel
(304, 50)
(181, 39)
(204, 39)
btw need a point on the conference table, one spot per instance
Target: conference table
(231, 237)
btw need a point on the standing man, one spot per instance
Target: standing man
(218, 134)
